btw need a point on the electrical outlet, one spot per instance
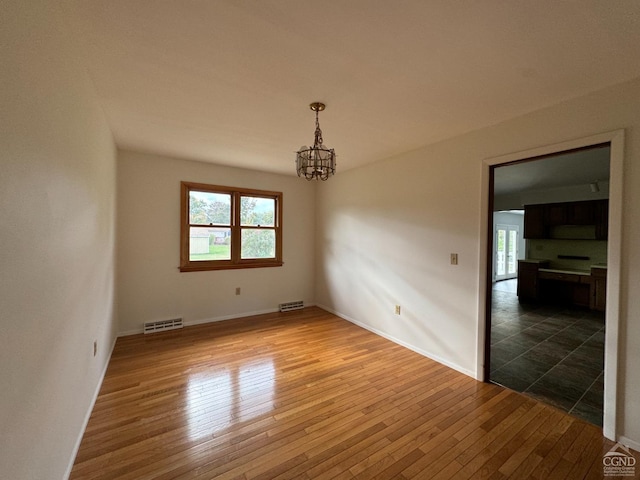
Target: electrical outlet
(95, 348)
(397, 309)
(237, 290)
(454, 259)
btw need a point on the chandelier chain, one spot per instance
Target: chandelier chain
(318, 140)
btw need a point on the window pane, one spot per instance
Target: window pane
(209, 208)
(209, 244)
(257, 211)
(228, 227)
(512, 252)
(258, 243)
(500, 253)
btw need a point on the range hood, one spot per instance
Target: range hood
(573, 232)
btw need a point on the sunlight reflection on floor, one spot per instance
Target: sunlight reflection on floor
(219, 398)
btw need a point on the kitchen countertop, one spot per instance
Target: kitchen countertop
(569, 271)
(565, 270)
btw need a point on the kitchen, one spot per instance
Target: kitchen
(566, 261)
(547, 330)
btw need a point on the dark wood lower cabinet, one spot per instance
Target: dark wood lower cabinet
(598, 293)
(528, 281)
(582, 290)
(565, 289)
(581, 294)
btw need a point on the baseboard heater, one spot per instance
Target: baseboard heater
(287, 307)
(162, 325)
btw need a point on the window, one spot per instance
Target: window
(226, 227)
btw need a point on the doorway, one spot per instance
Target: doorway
(545, 341)
(616, 140)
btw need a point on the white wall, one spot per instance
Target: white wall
(150, 287)
(57, 217)
(385, 236)
(549, 249)
(385, 233)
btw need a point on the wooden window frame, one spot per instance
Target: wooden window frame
(186, 265)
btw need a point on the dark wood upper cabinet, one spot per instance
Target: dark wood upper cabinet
(556, 214)
(540, 219)
(581, 213)
(534, 221)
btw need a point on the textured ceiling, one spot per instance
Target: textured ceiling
(230, 81)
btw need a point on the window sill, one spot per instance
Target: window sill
(229, 266)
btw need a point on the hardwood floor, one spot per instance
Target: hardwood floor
(307, 395)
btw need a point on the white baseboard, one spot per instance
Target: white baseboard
(627, 442)
(213, 319)
(229, 317)
(126, 333)
(422, 352)
(87, 415)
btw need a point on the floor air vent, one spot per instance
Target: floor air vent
(162, 325)
(287, 307)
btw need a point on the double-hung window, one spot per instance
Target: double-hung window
(228, 227)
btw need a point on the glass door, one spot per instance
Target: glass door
(506, 254)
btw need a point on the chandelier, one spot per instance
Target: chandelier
(317, 162)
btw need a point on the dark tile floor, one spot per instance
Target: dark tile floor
(550, 353)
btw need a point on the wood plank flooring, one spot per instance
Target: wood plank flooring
(307, 395)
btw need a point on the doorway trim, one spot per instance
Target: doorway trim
(614, 249)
